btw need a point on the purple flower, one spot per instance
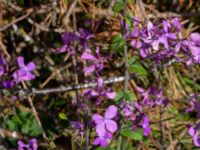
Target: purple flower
(24, 71)
(152, 97)
(21, 145)
(105, 123)
(2, 64)
(194, 133)
(103, 140)
(146, 126)
(127, 109)
(100, 94)
(76, 124)
(97, 62)
(7, 84)
(194, 105)
(32, 145)
(67, 39)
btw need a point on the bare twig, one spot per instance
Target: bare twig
(15, 21)
(28, 12)
(73, 87)
(70, 10)
(35, 114)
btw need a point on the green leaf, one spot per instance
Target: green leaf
(23, 121)
(135, 135)
(126, 144)
(129, 21)
(188, 80)
(119, 97)
(135, 67)
(118, 43)
(128, 96)
(62, 116)
(118, 6)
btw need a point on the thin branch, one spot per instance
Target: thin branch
(125, 46)
(35, 113)
(15, 21)
(71, 88)
(30, 11)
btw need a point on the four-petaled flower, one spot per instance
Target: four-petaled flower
(97, 62)
(105, 123)
(24, 71)
(103, 140)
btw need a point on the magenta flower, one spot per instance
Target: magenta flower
(127, 109)
(24, 71)
(100, 93)
(146, 126)
(97, 62)
(2, 64)
(67, 39)
(152, 97)
(32, 145)
(194, 133)
(106, 123)
(7, 84)
(103, 140)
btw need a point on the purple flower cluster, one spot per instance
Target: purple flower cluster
(152, 97)
(69, 38)
(105, 126)
(32, 145)
(194, 129)
(136, 116)
(158, 41)
(149, 98)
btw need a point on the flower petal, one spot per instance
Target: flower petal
(111, 125)
(100, 129)
(20, 61)
(100, 82)
(88, 56)
(191, 131)
(196, 139)
(103, 143)
(111, 95)
(97, 118)
(89, 69)
(111, 112)
(31, 66)
(97, 141)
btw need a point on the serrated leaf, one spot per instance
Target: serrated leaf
(135, 135)
(62, 116)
